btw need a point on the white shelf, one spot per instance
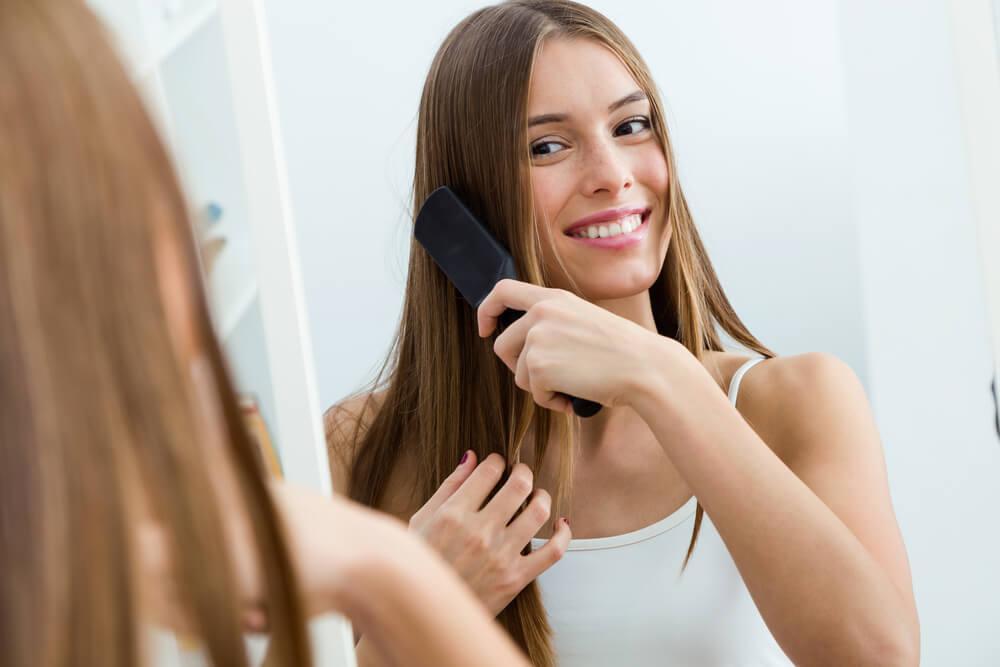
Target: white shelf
(195, 82)
(204, 69)
(177, 35)
(232, 313)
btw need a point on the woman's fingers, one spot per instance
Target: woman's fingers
(479, 484)
(504, 505)
(521, 376)
(452, 483)
(530, 521)
(541, 395)
(509, 345)
(507, 294)
(549, 554)
(484, 543)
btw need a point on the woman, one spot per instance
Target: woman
(542, 116)
(130, 494)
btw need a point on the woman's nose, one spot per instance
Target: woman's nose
(605, 171)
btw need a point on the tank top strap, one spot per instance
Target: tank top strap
(734, 384)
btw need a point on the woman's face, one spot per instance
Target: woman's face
(599, 177)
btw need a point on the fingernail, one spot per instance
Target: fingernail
(465, 457)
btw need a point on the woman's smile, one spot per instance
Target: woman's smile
(599, 174)
(613, 229)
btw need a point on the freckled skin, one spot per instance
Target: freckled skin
(592, 161)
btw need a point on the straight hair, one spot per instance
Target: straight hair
(442, 390)
(99, 414)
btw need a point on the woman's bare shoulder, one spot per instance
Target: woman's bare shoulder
(344, 421)
(786, 398)
(341, 423)
(723, 365)
(347, 412)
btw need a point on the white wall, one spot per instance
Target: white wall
(349, 77)
(928, 349)
(756, 108)
(819, 145)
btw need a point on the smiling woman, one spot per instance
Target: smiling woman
(543, 117)
(606, 145)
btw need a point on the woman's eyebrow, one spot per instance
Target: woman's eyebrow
(544, 119)
(637, 96)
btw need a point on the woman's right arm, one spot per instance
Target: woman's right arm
(410, 605)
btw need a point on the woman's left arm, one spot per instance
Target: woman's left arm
(812, 532)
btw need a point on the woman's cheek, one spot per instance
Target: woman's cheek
(653, 167)
(546, 202)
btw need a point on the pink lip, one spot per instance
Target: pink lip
(607, 216)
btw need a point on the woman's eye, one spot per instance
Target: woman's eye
(543, 148)
(632, 126)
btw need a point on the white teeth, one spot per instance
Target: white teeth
(626, 225)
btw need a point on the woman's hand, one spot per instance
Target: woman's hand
(333, 542)
(566, 345)
(410, 605)
(325, 561)
(483, 544)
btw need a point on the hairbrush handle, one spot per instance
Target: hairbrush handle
(581, 406)
(584, 408)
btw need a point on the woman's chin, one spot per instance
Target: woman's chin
(609, 281)
(615, 290)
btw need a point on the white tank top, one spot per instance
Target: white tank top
(622, 601)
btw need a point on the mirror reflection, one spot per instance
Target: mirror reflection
(753, 233)
(763, 239)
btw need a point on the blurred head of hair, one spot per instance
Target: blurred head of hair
(102, 427)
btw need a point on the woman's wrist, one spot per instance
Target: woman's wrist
(409, 603)
(669, 379)
(648, 388)
(373, 570)
(448, 624)
(339, 548)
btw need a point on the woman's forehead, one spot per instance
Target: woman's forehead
(576, 73)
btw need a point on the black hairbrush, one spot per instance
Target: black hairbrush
(472, 259)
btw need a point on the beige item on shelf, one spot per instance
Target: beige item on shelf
(210, 249)
(262, 437)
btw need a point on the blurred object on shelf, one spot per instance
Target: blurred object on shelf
(259, 432)
(211, 246)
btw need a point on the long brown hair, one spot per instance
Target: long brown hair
(95, 401)
(442, 390)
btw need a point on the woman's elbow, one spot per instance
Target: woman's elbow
(899, 647)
